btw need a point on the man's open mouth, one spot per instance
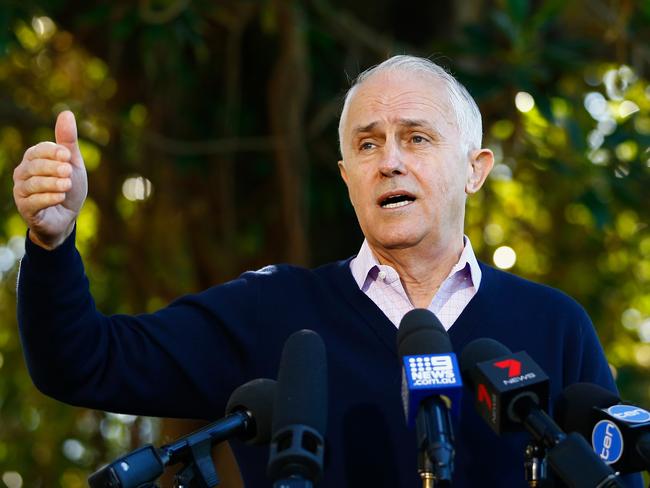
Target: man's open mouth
(396, 201)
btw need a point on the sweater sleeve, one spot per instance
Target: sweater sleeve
(182, 361)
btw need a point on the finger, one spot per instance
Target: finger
(66, 134)
(42, 184)
(33, 204)
(47, 150)
(43, 167)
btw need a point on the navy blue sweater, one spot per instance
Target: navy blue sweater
(185, 360)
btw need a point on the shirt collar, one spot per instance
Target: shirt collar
(364, 266)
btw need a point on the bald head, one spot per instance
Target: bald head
(468, 117)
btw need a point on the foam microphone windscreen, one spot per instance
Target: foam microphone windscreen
(480, 350)
(576, 401)
(255, 397)
(420, 332)
(301, 396)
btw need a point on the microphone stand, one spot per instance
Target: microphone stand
(425, 469)
(199, 470)
(435, 443)
(140, 468)
(570, 457)
(535, 465)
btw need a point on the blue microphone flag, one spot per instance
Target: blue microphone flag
(426, 375)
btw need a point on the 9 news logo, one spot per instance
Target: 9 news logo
(432, 370)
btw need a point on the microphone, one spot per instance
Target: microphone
(511, 392)
(248, 417)
(502, 380)
(431, 389)
(619, 433)
(299, 413)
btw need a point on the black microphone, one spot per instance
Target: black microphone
(511, 392)
(501, 382)
(299, 413)
(248, 417)
(619, 433)
(431, 389)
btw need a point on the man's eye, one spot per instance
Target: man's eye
(366, 146)
(418, 139)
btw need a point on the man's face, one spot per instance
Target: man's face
(404, 164)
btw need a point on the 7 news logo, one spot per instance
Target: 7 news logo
(514, 371)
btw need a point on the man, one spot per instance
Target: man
(410, 139)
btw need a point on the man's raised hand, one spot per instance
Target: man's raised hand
(50, 185)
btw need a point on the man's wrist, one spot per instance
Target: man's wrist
(50, 245)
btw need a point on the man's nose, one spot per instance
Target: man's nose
(392, 162)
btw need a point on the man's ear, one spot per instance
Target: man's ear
(480, 165)
(344, 173)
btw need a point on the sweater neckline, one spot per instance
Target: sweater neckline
(342, 280)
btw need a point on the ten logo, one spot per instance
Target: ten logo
(607, 441)
(629, 413)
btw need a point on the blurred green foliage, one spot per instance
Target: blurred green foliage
(209, 132)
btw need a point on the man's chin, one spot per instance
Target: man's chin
(398, 245)
(396, 242)
(398, 235)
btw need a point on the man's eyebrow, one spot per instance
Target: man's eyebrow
(408, 123)
(424, 124)
(360, 129)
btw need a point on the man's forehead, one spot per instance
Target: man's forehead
(397, 97)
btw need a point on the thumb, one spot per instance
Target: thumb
(65, 133)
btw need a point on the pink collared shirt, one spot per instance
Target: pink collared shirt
(383, 286)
